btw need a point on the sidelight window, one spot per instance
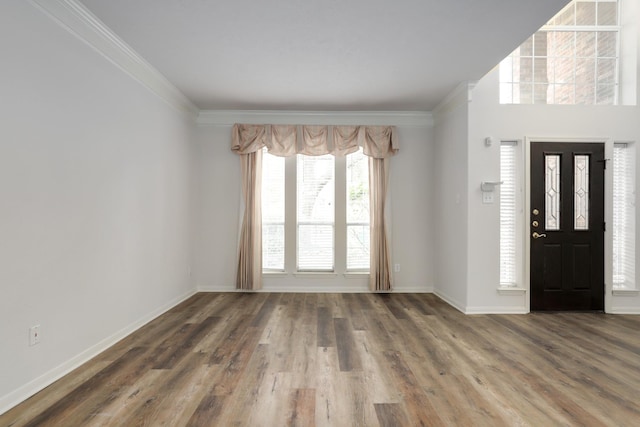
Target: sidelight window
(624, 214)
(508, 214)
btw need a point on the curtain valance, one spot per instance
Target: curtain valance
(378, 142)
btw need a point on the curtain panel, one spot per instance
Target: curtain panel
(379, 143)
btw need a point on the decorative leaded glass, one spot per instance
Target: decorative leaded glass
(552, 191)
(581, 192)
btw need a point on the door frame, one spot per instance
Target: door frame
(608, 213)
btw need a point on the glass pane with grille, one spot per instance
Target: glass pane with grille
(508, 214)
(315, 212)
(581, 192)
(357, 211)
(552, 191)
(568, 60)
(272, 212)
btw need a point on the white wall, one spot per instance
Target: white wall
(450, 229)
(95, 201)
(412, 215)
(489, 118)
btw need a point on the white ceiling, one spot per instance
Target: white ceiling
(339, 55)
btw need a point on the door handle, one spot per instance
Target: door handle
(537, 235)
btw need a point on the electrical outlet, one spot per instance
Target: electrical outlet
(34, 335)
(396, 268)
(487, 197)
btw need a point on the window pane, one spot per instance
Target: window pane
(358, 245)
(605, 94)
(272, 212)
(606, 71)
(585, 13)
(315, 247)
(581, 192)
(552, 191)
(315, 212)
(357, 187)
(607, 41)
(567, 16)
(586, 44)
(508, 214)
(607, 13)
(624, 214)
(357, 211)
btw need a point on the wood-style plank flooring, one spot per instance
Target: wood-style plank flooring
(243, 359)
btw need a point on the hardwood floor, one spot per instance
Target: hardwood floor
(235, 359)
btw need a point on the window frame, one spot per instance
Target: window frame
(291, 223)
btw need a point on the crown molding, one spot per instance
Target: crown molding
(78, 20)
(460, 96)
(381, 118)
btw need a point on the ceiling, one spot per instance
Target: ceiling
(330, 55)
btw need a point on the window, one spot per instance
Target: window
(357, 211)
(322, 203)
(272, 212)
(624, 214)
(508, 214)
(315, 212)
(573, 59)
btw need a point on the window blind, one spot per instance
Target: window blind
(623, 217)
(315, 212)
(358, 232)
(273, 199)
(508, 174)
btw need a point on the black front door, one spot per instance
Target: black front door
(567, 226)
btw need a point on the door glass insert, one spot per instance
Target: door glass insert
(581, 191)
(552, 191)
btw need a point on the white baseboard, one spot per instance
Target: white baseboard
(496, 310)
(321, 288)
(451, 301)
(23, 393)
(413, 290)
(624, 310)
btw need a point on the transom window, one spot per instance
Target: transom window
(573, 59)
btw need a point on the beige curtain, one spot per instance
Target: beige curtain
(247, 141)
(378, 142)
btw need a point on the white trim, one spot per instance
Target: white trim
(496, 310)
(451, 301)
(315, 274)
(81, 22)
(381, 118)
(625, 310)
(340, 288)
(32, 387)
(511, 290)
(356, 275)
(460, 96)
(625, 292)
(413, 289)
